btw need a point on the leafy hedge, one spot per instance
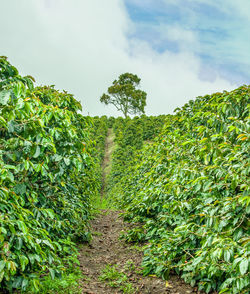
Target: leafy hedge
(130, 136)
(99, 134)
(190, 190)
(46, 179)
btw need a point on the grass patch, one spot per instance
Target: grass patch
(116, 279)
(67, 284)
(102, 203)
(95, 233)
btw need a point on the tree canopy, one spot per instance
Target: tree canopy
(125, 95)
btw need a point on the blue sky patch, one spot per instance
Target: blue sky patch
(219, 32)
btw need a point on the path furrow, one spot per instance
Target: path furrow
(110, 265)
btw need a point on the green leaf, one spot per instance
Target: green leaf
(11, 176)
(1, 276)
(4, 97)
(36, 284)
(3, 230)
(23, 261)
(26, 164)
(224, 291)
(37, 167)
(3, 121)
(227, 255)
(37, 153)
(67, 161)
(2, 264)
(48, 244)
(29, 107)
(20, 189)
(25, 283)
(243, 266)
(41, 122)
(52, 273)
(50, 213)
(22, 226)
(11, 126)
(57, 157)
(207, 186)
(19, 243)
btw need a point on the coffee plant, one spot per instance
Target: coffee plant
(47, 177)
(130, 137)
(99, 134)
(190, 192)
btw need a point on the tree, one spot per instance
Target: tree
(125, 95)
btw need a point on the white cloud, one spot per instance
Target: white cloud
(82, 46)
(185, 39)
(217, 31)
(171, 79)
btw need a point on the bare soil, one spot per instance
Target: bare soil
(107, 249)
(106, 164)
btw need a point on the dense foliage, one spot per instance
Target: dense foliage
(47, 177)
(190, 191)
(130, 137)
(186, 190)
(99, 134)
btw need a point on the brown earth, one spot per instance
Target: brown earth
(106, 164)
(107, 249)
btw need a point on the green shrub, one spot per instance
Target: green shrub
(46, 180)
(190, 189)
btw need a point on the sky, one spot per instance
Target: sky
(180, 49)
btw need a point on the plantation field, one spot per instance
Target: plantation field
(190, 192)
(180, 183)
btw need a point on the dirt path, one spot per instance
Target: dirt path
(106, 165)
(123, 263)
(109, 265)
